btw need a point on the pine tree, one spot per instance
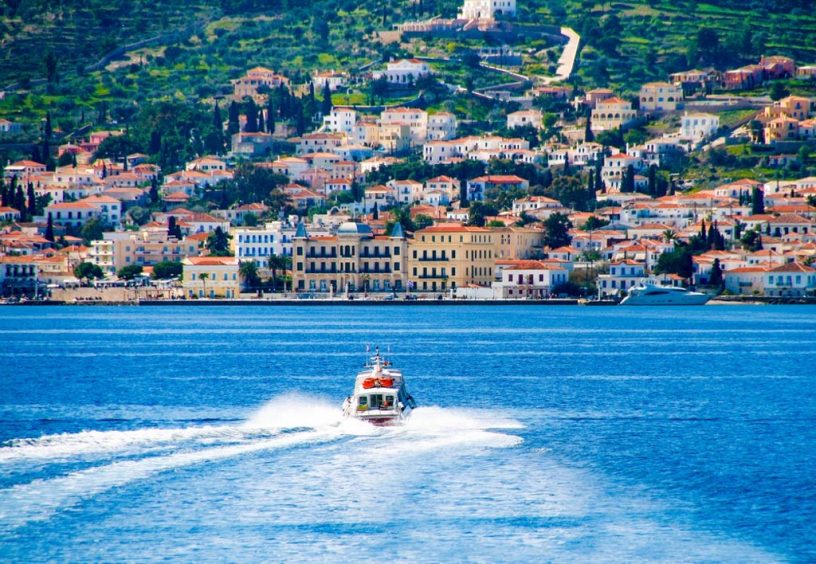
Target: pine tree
(49, 229)
(326, 107)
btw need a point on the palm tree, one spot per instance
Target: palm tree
(669, 235)
(248, 271)
(204, 277)
(275, 263)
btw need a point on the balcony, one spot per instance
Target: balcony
(433, 259)
(433, 276)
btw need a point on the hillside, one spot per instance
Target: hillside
(200, 46)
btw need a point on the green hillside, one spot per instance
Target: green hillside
(200, 45)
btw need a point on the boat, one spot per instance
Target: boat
(647, 294)
(380, 396)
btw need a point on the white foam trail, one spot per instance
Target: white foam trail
(291, 411)
(40, 499)
(434, 419)
(67, 445)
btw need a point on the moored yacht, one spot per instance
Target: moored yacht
(380, 396)
(651, 294)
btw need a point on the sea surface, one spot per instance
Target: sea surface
(562, 434)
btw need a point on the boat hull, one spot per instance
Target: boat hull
(680, 300)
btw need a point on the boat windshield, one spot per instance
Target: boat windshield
(379, 401)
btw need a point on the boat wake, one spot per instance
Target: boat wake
(99, 461)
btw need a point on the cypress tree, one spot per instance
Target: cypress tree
(270, 121)
(261, 123)
(591, 187)
(326, 108)
(375, 213)
(716, 274)
(49, 229)
(154, 189)
(703, 235)
(32, 200)
(218, 122)
(251, 116)
(3, 195)
(300, 120)
(311, 92)
(588, 135)
(757, 201)
(628, 184)
(599, 184)
(566, 171)
(20, 203)
(234, 119)
(653, 180)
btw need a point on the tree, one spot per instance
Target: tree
(593, 223)
(250, 219)
(32, 200)
(556, 229)
(421, 221)
(88, 271)
(757, 201)
(326, 106)
(275, 263)
(92, 230)
(708, 44)
(653, 180)
(167, 269)
(589, 136)
(251, 116)
(50, 67)
(129, 272)
(234, 118)
(173, 228)
(678, 262)
(716, 274)
(479, 211)
(248, 271)
(628, 182)
(218, 243)
(154, 190)
(139, 215)
(204, 276)
(778, 91)
(49, 229)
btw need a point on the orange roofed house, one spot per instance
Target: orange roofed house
(211, 277)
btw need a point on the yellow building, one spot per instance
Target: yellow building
(518, 243)
(443, 257)
(211, 277)
(353, 260)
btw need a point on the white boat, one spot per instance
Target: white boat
(380, 396)
(651, 294)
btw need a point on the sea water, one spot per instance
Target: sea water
(543, 434)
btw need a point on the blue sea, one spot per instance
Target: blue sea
(556, 434)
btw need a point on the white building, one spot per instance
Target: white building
(524, 118)
(336, 80)
(622, 276)
(441, 126)
(698, 126)
(416, 120)
(529, 279)
(487, 9)
(404, 71)
(340, 120)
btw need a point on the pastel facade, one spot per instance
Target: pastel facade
(404, 71)
(211, 277)
(660, 97)
(444, 257)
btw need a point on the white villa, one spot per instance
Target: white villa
(697, 127)
(487, 9)
(404, 71)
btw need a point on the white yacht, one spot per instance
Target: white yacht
(380, 396)
(651, 294)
